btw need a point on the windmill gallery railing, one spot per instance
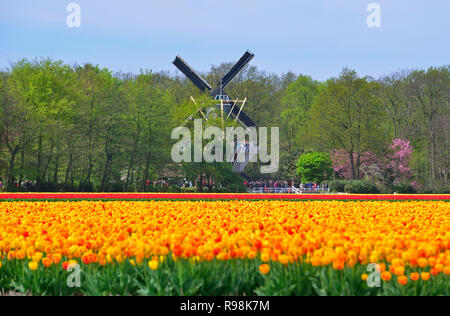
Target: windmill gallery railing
(288, 190)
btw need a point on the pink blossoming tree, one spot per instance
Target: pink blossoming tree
(398, 160)
(394, 165)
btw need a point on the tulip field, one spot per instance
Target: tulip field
(225, 247)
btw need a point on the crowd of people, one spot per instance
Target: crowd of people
(245, 146)
(261, 185)
(313, 186)
(269, 184)
(284, 186)
(26, 184)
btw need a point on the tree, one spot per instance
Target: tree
(295, 106)
(398, 161)
(346, 114)
(390, 167)
(152, 124)
(83, 127)
(430, 92)
(314, 167)
(3, 101)
(19, 125)
(399, 108)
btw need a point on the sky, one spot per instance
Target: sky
(312, 37)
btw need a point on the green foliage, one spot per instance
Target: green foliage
(220, 173)
(405, 188)
(353, 186)
(209, 278)
(296, 103)
(360, 186)
(337, 185)
(346, 115)
(314, 167)
(84, 128)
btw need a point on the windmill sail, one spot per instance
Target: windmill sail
(245, 59)
(243, 118)
(191, 74)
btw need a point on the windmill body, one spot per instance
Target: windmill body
(227, 106)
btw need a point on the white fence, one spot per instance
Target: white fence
(290, 190)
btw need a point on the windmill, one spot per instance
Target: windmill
(226, 105)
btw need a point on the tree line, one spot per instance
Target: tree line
(85, 128)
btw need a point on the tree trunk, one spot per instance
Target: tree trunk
(432, 157)
(105, 175)
(22, 164)
(89, 171)
(39, 160)
(55, 173)
(137, 184)
(358, 164)
(47, 165)
(11, 165)
(146, 171)
(352, 165)
(130, 167)
(69, 164)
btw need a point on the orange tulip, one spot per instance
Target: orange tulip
(425, 276)
(403, 280)
(414, 276)
(264, 268)
(447, 270)
(422, 262)
(386, 276)
(56, 258)
(47, 262)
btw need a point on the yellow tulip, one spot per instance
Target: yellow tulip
(153, 265)
(33, 265)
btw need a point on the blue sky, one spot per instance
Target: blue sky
(314, 37)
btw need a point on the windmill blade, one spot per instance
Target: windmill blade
(244, 118)
(237, 112)
(245, 59)
(201, 83)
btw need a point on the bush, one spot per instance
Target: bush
(386, 188)
(114, 187)
(336, 186)
(86, 187)
(235, 188)
(353, 186)
(360, 186)
(174, 189)
(314, 167)
(46, 187)
(13, 189)
(404, 188)
(69, 187)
